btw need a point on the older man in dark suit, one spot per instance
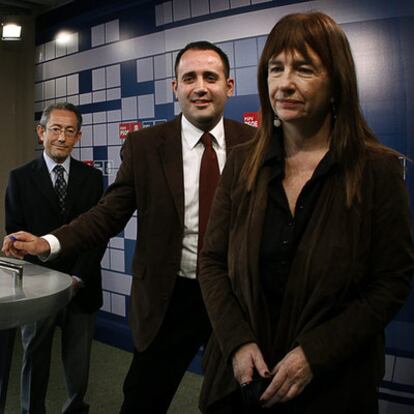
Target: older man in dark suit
(42, 195)
(168, 174)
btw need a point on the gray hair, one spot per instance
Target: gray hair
(66, 106)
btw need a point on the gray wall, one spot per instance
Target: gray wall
(17, 141)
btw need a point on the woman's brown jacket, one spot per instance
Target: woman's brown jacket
(350, 276)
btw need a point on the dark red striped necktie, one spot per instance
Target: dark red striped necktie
(209, 176)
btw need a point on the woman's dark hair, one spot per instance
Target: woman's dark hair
(351, 136)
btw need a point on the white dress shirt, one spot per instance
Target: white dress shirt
(51, 164)
(193, 150)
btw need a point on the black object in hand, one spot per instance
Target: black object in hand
(252, 391)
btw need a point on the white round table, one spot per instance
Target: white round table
(43, 292)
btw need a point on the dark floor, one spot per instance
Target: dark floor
(108, 368)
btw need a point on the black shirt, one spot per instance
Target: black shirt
(282, 232)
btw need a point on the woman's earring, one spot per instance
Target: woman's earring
(276, 121)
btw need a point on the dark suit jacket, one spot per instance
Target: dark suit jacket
(350, 275)
(150, 180)
(32, 205)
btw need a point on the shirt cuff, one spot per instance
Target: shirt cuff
(79, 280)
(55, 248)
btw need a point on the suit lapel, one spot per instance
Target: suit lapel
(44, 183)
(75, 181)
(171, 157)
(258, 205)
(228, 136)
(232, 135)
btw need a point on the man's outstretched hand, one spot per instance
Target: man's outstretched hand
(21, 243)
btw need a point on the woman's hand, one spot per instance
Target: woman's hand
(246, 360)
(291, 375)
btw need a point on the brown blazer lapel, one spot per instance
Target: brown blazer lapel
(257, 211)
(236, 133)
(171, 158)
(248, 242)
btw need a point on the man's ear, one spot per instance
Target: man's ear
(230, 86)
(174, 87)
(40, 130)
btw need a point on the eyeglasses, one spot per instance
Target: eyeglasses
(68, 132)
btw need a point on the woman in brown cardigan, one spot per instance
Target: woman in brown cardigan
(308, 253)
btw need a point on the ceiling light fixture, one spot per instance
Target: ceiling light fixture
(63, 38)
(11, 31)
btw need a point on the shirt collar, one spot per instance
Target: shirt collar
(275, 155)
(191, 134)
(51, 163)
